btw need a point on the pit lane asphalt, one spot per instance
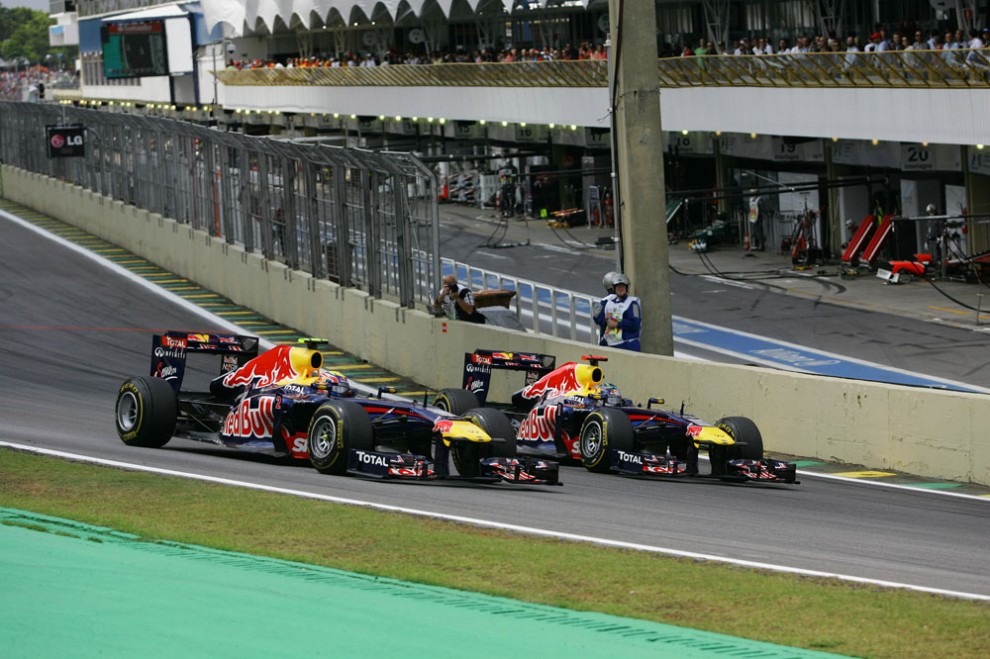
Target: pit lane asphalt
(914, 327)
(73, 330)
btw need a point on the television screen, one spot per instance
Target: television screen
(134, 49)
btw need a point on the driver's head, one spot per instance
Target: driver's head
(334, 384)
(609, 394)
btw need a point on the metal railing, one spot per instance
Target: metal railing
(953, 68)
(540, 308)
(364, 219)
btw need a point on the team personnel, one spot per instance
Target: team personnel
(599, 308)
(620, 317)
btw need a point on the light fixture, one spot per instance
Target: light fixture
(522, 124)
(381, 117)
(924, 144)
(684, 132)
(979, 147)
(551, 126)
(504, 124)
(874, 142)
(835, 139)
(752, 136)
(482, 122)
(573, 126)
(398, 117)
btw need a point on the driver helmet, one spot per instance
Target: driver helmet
(334, 384)
(608, 281)
(609, 394)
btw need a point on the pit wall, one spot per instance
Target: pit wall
(929, 433)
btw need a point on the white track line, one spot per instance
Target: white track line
(527, 530)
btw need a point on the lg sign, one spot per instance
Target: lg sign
(66, 141)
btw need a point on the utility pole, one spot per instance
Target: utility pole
(641, 209)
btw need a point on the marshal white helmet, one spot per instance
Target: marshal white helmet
(621, 279)
(608, 281)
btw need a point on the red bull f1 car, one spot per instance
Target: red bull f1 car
(282, 402)
(570, 412)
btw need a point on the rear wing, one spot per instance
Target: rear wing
(169, 351)
(478, 366)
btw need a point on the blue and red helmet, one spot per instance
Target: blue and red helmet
(334, 384)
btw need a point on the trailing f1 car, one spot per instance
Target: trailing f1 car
(570, 412)
(284, 403)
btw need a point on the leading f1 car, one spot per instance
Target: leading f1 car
(570, 412)
(283, 402)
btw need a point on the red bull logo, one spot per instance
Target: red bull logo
(199, 338)
(538, 427)
(443, 425)
(503, 355)
(560, 381)
(693, 430)
(251, 418)
(268, 368)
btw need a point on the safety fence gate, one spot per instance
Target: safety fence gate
(364, 219)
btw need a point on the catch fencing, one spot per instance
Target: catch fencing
(363, 219)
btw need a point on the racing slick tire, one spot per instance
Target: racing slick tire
(335, 428)
(456, 401)
(749, 444)
(146, 412)
(467, 455)
(604, 429)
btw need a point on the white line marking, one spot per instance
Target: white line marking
(527, 530)
(823, 353)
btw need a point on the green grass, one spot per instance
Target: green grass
(817, 614)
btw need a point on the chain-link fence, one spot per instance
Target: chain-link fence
(363, 219)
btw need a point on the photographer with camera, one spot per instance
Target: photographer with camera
(456, 301)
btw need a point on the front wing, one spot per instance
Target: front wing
(388, 465)
(736, 471)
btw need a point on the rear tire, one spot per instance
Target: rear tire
(749, 441)
(146, 412)
(456, 401)
(468, 455)
(603, 430)
(334, 429)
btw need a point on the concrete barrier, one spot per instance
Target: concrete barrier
(929, 433)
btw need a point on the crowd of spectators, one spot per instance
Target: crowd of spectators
(584, 51)
(951, 47)
(907, 37)
(32, 84)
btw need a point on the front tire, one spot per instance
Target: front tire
(456, 401)
(467, 456)
(146, 412)
(749, 441)
(334, 429)
(603, 430)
